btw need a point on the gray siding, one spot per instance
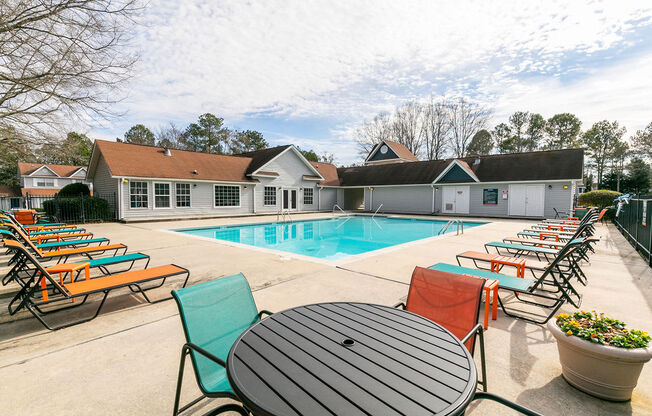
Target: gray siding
(557, 197)
(478, 208)
(328, 198)
(291, 170)
(408, 199)
(103, 183)
(202, 200)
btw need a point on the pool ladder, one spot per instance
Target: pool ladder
(377, 209)
(340, 208)
(458, 223)
(284, 215)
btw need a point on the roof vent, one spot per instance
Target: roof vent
(194, 172)
(476, 161)
(167, 152)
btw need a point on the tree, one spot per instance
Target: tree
(170, 137)
(601, 141)
(642, 142)
(518, 123)
(139, 134)
(563, 130)
(535, 131)
(502, 135)
(247, 141)
(618, 157)
(436, 128)
(406, 126)
(63, 60)
(466, 120)
(15, 148)
(481, 144)
(75, 149)
(372, 132)
(327, 158)
(208, 135)
(638, 176)
(310, 155)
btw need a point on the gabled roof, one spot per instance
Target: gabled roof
(515, 167)
(464, 168)
(63, 171)
(399, 150)
(328, 171)
(139, 161)
(260, 158)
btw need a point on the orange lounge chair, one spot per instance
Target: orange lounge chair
(41, 286)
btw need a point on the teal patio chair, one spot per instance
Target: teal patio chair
(213, 315)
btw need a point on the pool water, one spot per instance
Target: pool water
(329, 239)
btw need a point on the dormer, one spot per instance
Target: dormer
(387, 152)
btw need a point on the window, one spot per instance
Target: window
(161, 195)
(138, 194)
(307, 196)
(45, 183)
(270, 195)
(227, 196)
(183, 195)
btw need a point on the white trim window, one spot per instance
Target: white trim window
(44, 183)
(227, 196)
(161, 195)
(138, 194)
(269, 197)
(308, 196)
(183, 195)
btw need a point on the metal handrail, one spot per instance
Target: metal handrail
(377, 209)
(338, 207)
(459, 226)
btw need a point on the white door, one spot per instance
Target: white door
(455, 199)
(517, 200)
(526, 200)
(534, 198)
(290, 199)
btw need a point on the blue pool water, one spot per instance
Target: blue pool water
(330, 239)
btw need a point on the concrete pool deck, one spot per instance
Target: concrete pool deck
(125, 361)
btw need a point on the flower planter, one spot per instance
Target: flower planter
(600, 370)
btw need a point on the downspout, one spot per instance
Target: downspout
(253, 197)
(120, 208)
(432, 209)
(319, 198)
(371, 198)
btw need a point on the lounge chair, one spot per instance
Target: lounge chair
(213, 315)
(55, 245)
(451, 300)
(21, 271)
(519, 250)
(562, 219)
(37, 231)
(548, 291)
(46, 225)
(41, 286)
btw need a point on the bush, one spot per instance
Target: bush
(600, 199)
(74, 189)
(70, 209)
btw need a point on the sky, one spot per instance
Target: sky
(310, 72)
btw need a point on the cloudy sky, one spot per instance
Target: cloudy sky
(307, 72)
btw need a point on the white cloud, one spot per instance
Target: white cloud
(348, 60)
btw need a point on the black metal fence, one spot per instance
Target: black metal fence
(80, 209)
(635, 222)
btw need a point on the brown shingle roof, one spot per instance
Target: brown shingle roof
(132, 160)
(61, 170)
(328, 172)
(401, 151)
(261, 157)
(40, 191)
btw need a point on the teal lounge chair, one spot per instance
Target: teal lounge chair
(213, 315)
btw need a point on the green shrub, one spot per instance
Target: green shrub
(74, 189)
(70, 209)
(600, 199)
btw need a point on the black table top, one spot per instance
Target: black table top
(350, 359)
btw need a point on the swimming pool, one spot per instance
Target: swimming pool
(329, 239)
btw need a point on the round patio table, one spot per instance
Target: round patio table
(350, 359)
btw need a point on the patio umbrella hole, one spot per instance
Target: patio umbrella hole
(348, 342)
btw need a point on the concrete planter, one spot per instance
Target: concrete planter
(600, 370)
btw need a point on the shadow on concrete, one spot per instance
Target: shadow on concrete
(566, 398)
